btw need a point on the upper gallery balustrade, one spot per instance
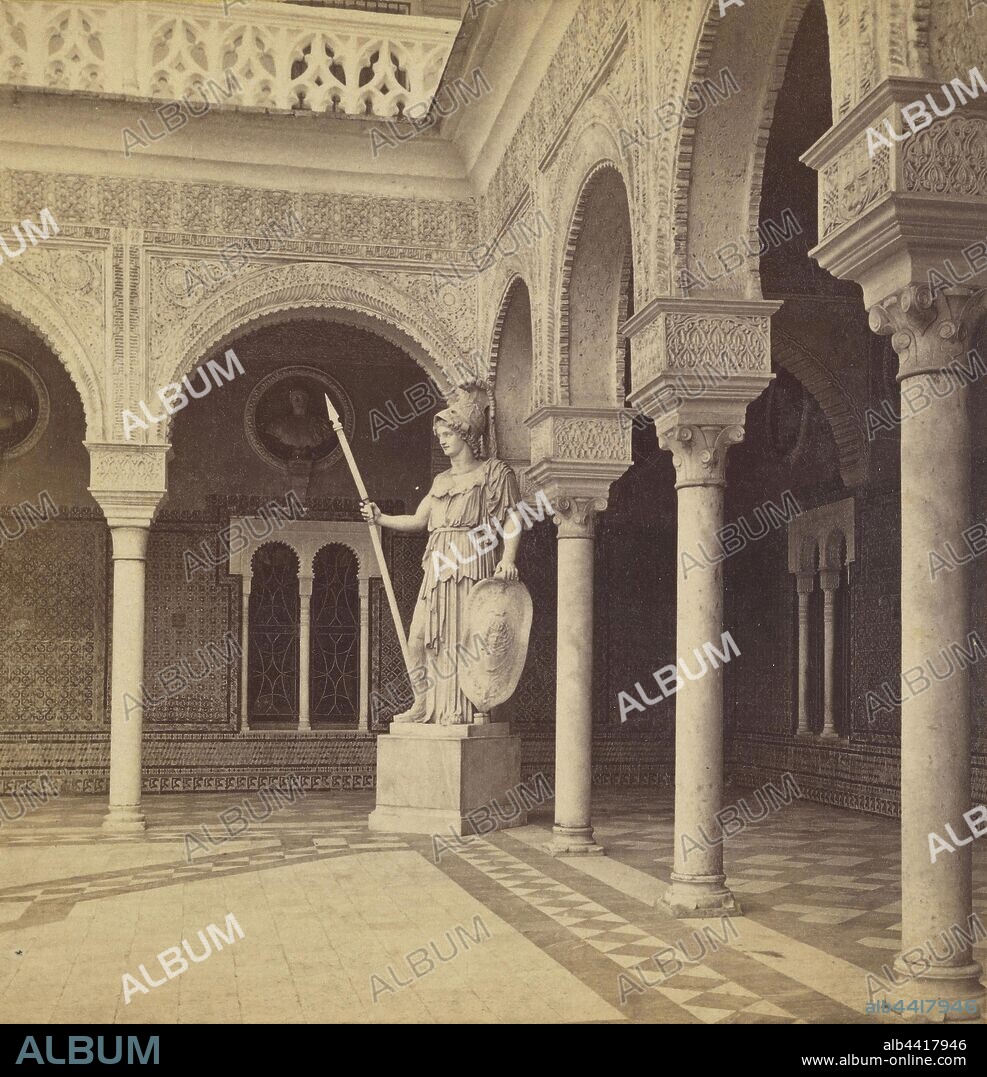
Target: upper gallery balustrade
(285, 56)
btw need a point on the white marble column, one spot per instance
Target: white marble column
(128, 484)
(698, 883)
(364, 585)
(804, 585)
(126, 678)
(576, 453)
(829, 582)
(696, 365)
(573, 830)
(245, 582)
(928, 335)
(304, 651)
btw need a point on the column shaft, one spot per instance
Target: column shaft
(935, 722)
(126, 679)
(304, 650)
(245, 655)
(573, 832)
(698, 881)
(829, 582)
(804, 585)
(364, 584)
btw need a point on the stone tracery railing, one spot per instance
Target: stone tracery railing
(285, 57)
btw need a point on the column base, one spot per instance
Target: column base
(830, 735)
(955, 985)
(124, 819)
(699, 896)
(573, 841)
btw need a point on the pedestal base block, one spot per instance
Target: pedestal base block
(448, 780)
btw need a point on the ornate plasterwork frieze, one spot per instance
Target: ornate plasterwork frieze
(950, 157)
(359, 221)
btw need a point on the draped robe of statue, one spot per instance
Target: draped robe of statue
(452, 565)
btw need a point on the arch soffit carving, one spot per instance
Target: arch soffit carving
(311, 286)
(765, 53)
(32, 309)
(510, 279)
(835, 401)
(593, 151)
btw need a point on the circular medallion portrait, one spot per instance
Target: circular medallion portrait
(286, 420)
(24, 406)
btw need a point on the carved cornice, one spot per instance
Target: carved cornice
(699, 452)
(929, 333)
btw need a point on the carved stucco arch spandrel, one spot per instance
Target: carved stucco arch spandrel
(32, 307)
(315, 286)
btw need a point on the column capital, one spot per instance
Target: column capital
(805, 582)
(929, 332)
(829, 580)
(575, 515)
(127, 482)
(699, 452)
(304, 586)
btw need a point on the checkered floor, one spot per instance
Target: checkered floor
(572, 939)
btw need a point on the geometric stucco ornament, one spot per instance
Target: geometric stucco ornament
(499, 613)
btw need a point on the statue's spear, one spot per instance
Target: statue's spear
(374, 532)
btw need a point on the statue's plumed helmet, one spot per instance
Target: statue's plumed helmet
(467, 415)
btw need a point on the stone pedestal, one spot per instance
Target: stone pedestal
(431, 778)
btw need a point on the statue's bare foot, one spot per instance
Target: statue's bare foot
(415, 713)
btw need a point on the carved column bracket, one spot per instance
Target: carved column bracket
(901, 191)
(128, 482)
(576, 454)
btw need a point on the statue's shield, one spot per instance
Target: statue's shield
(498, 621)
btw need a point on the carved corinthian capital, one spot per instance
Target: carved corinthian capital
(699, 452)
(929, 333)
(575, 516)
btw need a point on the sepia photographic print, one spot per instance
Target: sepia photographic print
(493, 497)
